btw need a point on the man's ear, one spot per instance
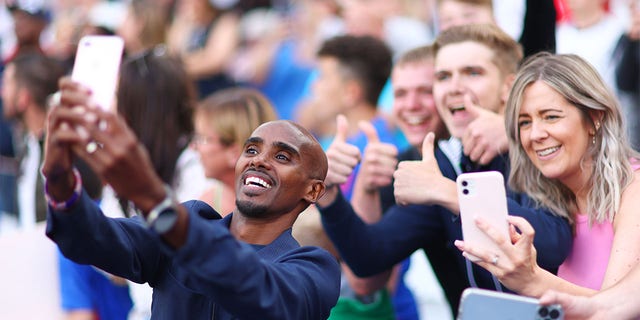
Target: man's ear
(506, 87)
(315, 191)
(354, 92)
(23, 100)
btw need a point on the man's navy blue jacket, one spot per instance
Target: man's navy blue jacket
(371, 249)
(213, 276)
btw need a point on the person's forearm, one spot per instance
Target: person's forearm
(617, 298)
(545, 280)
(366, 204)
(367, 285)
(329, 196)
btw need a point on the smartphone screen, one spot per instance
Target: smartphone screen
(97, 65)
(482, 194)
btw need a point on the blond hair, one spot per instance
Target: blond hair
(234, 113)
(581, 85)
(507, 53)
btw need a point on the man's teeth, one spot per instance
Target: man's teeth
(457, 108)
(548, 151)
(414, 120)
(257, 181)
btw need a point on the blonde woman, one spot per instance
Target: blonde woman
(223, 121)
(569, 153)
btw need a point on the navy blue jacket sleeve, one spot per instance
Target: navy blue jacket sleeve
(302, 283)
(123, 247)
(553, 240)
(369, 249)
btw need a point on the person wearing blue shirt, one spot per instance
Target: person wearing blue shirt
(245, 266)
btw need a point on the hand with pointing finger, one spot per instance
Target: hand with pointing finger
(485, 137)
(422, 182)
(343, 158)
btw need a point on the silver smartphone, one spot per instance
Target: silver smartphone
(482, 194)
(481, 304)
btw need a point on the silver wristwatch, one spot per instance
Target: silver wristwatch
(163, 216)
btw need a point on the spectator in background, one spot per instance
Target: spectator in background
(167, 102)
(383, 19)
(155, 92)
(415, 113)
(452, 13)
(598, 35)
(144, 26)
(27, 82)
(206, 36)
(223, 121)
(352, 72)
(30, 19)
(535, 33)
(628, 74)
(278, 52)
(8, 167)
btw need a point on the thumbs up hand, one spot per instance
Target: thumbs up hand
(378, 162)
(485, 137)
(342, 156)
(422, 182)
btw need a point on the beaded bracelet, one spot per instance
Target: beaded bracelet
(65, 205)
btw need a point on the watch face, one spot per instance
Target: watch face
(165, 221)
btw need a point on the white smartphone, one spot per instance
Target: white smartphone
(482, 194)
(97, 65)
(481, 304)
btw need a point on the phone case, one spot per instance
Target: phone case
(482, 194)
(481, 304)
(97, 65)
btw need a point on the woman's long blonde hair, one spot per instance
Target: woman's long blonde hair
(581, 85)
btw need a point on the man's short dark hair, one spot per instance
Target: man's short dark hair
(39, 74)
(366, 58)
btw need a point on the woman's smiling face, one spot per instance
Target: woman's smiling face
(555, 134)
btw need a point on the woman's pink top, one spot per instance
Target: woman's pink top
(588, 260)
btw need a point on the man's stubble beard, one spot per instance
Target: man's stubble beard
(251, 210)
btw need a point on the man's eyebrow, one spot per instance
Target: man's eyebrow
(287, 147)
(253, 140)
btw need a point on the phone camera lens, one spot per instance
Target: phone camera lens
(465, 183)
(543, 312)
(465, 191)
(554, 314)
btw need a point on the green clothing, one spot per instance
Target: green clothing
(349, 308)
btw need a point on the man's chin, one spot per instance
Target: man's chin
(251, 209)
